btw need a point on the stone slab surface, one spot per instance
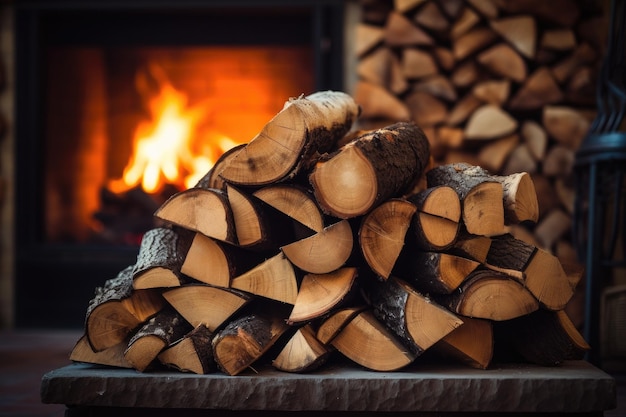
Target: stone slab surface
(576, 386)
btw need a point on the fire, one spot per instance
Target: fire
(165, 147)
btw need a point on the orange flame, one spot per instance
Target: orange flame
(163, 146)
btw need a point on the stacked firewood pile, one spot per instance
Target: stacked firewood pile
(508, 85)
(316, 240)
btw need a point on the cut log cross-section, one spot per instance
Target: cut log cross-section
(302, 353)
(192, 353)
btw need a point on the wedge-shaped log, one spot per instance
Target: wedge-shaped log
(473, 247)
(205, 304)
(192, 353)
(358, 177)
(368, 342)
(520, 198)
(320, 293)
(117, 309)
(323, 252)
(383, 232)
(436, 224)
(417, 321)
(212, 179)
(472, 343)
(202, 210)
(161, 253)
(489, 122)
(111, 356)
(244, 340)
(296, 202)
(520, 31)
(490, 295)
(335, 322)
(275, 278)
(305, 128)
(302, 353)
(160, 331)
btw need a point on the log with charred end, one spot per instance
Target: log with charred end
(378, 102)
(382, 234)
(368, 342)
(492, 295)
(293, 139)
(474, 247)
(212, 178)
(481, 196)
(435, 225)
(111, 356)
(160, 257)
(401, 32)
(117, 309)
(504, 61)
(321, 293)
(275, 278)
(205, 304)
(434, 272)
(259, 225)
(302, 353)
(520, 198)
(489, 122)
(472, 41)
(335, 322)
(546, 278)
(215, 262)
(540, 89)
(192, 353)
(358, 176)
(543, 337)
(519, 31)
(296, 202)
(323, 252)
(244, 340)
(163, 329)
(417, 321)
(202, 210)
(472, 343)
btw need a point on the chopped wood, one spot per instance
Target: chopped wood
(539, 89)
(274, 278)
(472, 42)
(382, 234)
(494, 155)
(488, 8)
(368, 342)
(377, 102)
(583, 54)
(452, 7)
(367, 37)
(302, 353)
(438, 86)
(335, 322)
(244, 340)
(493, 91)
(471, 247)
(559, 39)
(356, 178)
(426, 109)
(431, 17)
(111, 356)
(504, 61)
(554, 225)
(472, 343)
(403, 6)
(562, 12)
(535, 138)
(565, 124)
(166, 327)
(464, 23)
(202, 210)
(519, 31)
(444, 57)
(212, 178)
(320, 293)
(489, 122)
(418, 63)
(566, 190)
(383, 67)
(520, 198)
(449, 137)
(401, 31)
(292, 140)
(547, 280)
(202, 304)
(559, 161)
(192, 353)
(463, 109)
(520, 160)
(323, 252)
(492, 295)
(465, 74)
(436, 224)
(417, 321)
(296, 202)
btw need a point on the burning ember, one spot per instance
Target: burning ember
(170, 147)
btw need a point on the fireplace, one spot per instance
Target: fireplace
(95, 80)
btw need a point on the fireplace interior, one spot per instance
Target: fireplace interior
(99, 86)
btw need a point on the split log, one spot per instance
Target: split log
(202, 210)
(377, 102)
(160, 258)
(404, 6)
(582, 55)
(539, 89)
(320, 293)
(465, 75)
(473, 247)
(367, 37)
(464, 23)
(212, 178)
(163, 329)
(520, 160)
(417, 321)
(463, 109)
(296, 202)
(535, 138)
(430, 17)
(504, 61)
(417, 63)
(472, 41)
(111, 356)
(489, 122)
(293, 139)
(275, 279)
(302, 353)
(192, 353)
(400, 31)
(562, 12)
(566, 125)
(356, 178)
(437, 86)
(519, 31)
(426, 109)
(382, 67)
(335, 322)
(206, 305)
(368, 342)
(494, 92)
(244, 340)
(382, 234)
(116, 310)
(493, 156)
(520, 198)
(490, 295)
(472, 343)
(323, 252)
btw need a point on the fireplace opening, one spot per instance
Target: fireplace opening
(104, 92)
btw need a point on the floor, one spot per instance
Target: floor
(25, 356)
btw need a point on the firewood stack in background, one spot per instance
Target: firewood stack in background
(508, 85)
(317, 241)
